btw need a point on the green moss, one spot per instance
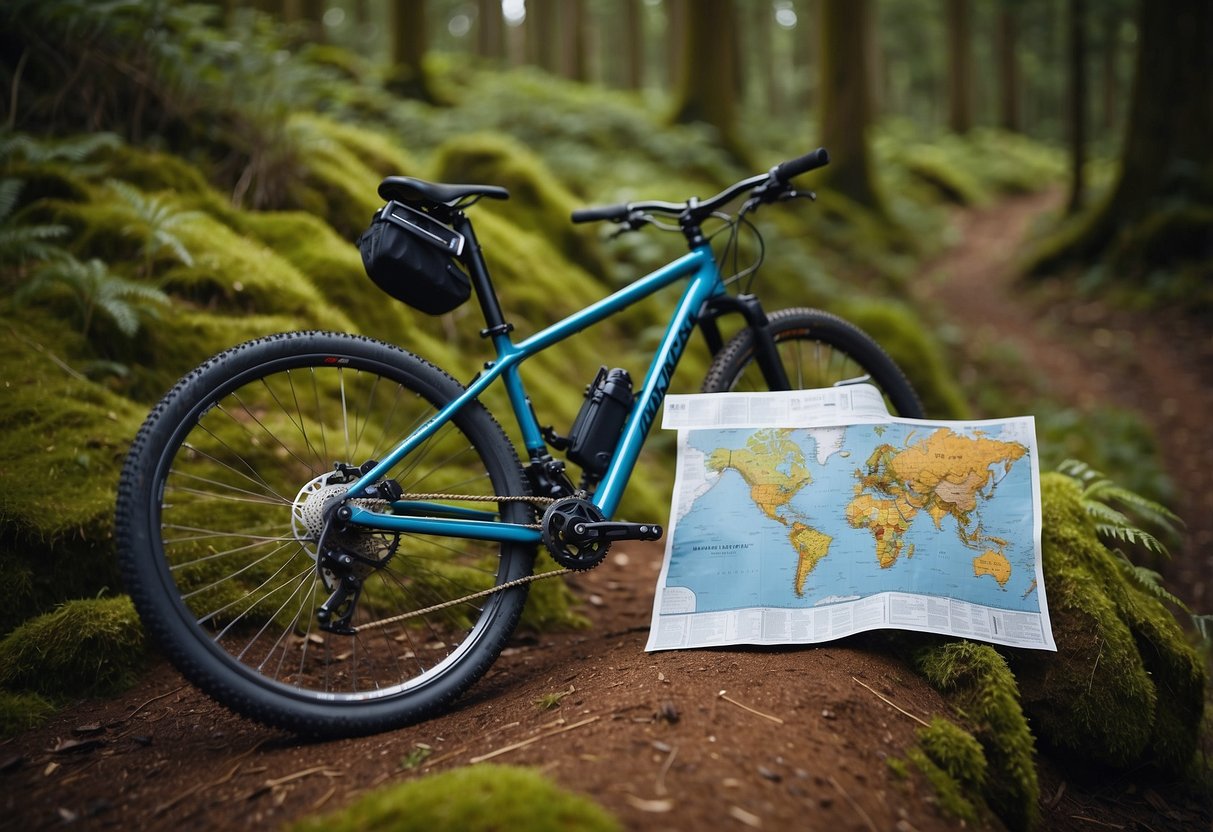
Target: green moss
(955, 751)
(538, 201)
(334, 267)
(980, 682)
(343, 168)
(1125, 689)
(935, 165)
(898, 767)
(477, 799)
(233, 273)
(22, 711)
(953, 800)
(904, 337)
(83, 648)
(154, 172)
(57, 427)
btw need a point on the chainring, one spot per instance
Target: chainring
(568, 548)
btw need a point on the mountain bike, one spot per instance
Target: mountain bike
(331, 535)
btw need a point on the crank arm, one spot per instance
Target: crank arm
(611, 530)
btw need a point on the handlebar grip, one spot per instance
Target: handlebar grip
(615, 213)
(784, 171)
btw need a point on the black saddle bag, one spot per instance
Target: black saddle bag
(412, 257)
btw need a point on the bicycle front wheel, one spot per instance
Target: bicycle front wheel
(818, 350)
(224, 497)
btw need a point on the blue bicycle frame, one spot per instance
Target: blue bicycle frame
(705, 283)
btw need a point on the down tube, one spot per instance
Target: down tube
(703, 286)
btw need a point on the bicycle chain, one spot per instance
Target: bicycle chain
(484, 593)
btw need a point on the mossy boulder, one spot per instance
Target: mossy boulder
(21, 711)
(903, 336)
(62, 441)
(1125, 690)
(476, 799)
(954, 763)
(84, 648)
(977, 679)
(538, 201)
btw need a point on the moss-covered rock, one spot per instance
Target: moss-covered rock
(341, 169)
(903, 336)
(476, 799)
(83, 648)
(21, 711)
(62, 441)
(1124, 689)
(954, 763)
(979, 681)
(538, 201)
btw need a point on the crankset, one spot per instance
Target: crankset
(579, 536)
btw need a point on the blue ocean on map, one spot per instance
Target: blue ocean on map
(731, 555)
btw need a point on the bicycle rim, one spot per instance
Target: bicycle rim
(243, 472)
(817, 350)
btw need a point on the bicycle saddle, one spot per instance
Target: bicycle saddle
(410, 189)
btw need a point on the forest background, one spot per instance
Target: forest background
(180, 177)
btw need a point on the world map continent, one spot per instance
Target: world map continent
(944, 474)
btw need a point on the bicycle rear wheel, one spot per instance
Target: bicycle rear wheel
(222, 500)
(818, 350)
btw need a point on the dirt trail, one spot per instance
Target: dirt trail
(728, 739)
(1085, 353)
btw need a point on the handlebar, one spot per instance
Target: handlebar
(784, 171)
(770, 185)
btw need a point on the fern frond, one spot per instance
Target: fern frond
(10, 190)
(1150, 510)
(93, 285)
(1105, 515)
(1134, 536)
(1151, 582)
(1204, 626)
(1099, 493)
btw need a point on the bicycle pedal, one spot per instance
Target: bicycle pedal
(613, 530)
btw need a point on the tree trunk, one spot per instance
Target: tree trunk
(1005, 44)
(1077, 103)
(960, 66)
(407, 29)
(1158, 210)
(707, 92)
(846, 99)
(543, 44)
(762, 60)
(633, 45)
(804, 56)
(575, 54)
(311, 12)
(677, 16)
(490, 35)
(1111, 85)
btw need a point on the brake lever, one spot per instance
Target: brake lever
(634, 222)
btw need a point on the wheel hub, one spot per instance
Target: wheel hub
(310, 512)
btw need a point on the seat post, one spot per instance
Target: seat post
(490, 306)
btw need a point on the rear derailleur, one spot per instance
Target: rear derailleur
(345, 556)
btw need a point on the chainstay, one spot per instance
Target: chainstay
(483, 498)
(484, 593)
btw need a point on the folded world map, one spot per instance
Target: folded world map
(805, 516)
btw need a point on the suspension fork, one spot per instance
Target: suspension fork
(750, 308)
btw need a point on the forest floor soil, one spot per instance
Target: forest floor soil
(794, 738)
